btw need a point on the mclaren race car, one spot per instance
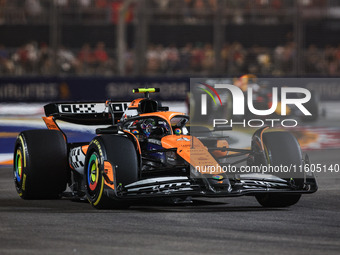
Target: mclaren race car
(145, 151)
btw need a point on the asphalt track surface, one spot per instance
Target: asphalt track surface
(208, 226)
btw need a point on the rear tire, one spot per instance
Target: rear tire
(40, 164)
(282, 148)
(120, 152)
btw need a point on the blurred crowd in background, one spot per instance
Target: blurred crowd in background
(35, 59)
(187, 11)
(194, 58)
(191, 57)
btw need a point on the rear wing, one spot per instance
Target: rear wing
(87, 113)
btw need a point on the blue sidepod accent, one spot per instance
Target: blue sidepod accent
(157, 155)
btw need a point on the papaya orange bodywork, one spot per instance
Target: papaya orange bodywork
(109, 173)
(164, 115)
(192, 150)
(52, 125)
(84, 149)
(134, 104)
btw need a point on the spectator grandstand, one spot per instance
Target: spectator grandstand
(173, 46)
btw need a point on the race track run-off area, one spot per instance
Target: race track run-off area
(206, 226)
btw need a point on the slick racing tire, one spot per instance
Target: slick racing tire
(40, 164)
(111, 162)
(282, 148)
(277, 200)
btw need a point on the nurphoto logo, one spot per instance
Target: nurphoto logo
(245, 102)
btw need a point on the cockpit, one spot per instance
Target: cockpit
(156, 127)
(147, 127)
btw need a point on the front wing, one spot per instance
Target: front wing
(184, 186)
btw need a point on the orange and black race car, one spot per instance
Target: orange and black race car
(146, 151)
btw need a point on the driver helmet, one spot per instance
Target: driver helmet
(147, 126)
(152, 127)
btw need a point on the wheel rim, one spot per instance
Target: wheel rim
(93, 172)
(18, 166)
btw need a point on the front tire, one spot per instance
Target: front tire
(277, 200)
(109, 158)
(282, 148)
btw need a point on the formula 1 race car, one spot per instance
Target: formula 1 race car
(146, 151)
